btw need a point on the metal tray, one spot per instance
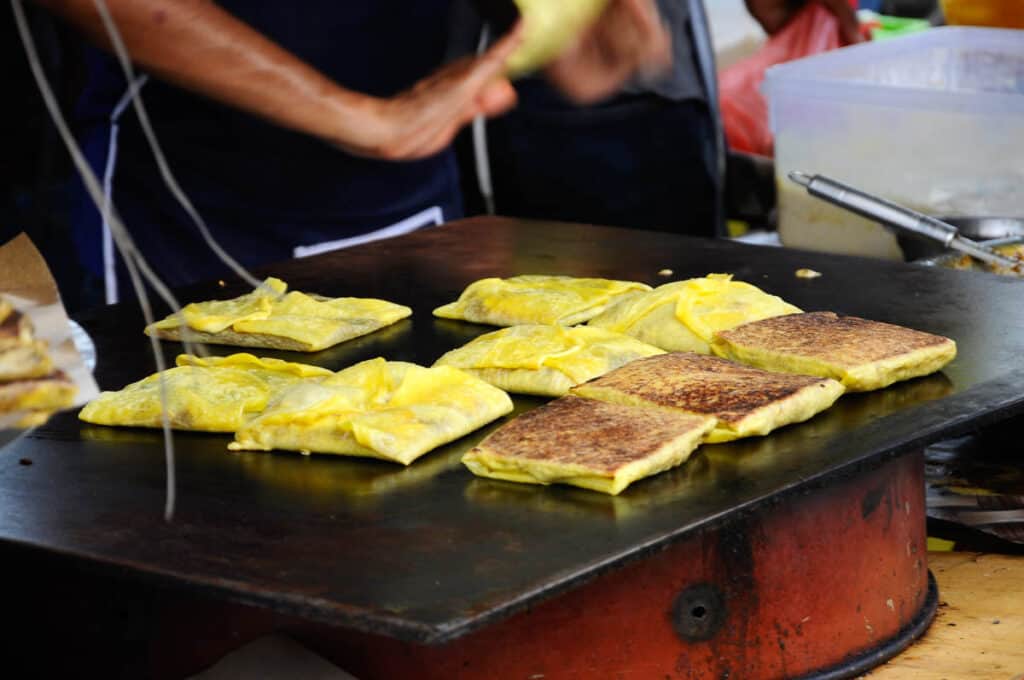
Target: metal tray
(975, 228)
(948, 259)
(429, 553)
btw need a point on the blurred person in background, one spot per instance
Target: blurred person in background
(296, 128)
(650, 157)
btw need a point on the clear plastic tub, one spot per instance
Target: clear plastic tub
(934, 121)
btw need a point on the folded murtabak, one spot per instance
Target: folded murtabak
(270, 317)
(683, 316)
(591, 444)
(545, 360)
(861, 354)
(745, 401)
(537, 299)
(379, 409)
(212, 394)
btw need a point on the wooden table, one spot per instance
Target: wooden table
(979, 630)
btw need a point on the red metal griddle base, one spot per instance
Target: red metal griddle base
(822, 584)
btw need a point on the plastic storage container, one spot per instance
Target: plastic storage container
(1003, 13)
(934, 121)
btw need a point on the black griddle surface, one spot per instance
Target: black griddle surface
(428, 552)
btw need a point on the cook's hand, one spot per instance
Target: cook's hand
(423, 120)
(774, 14)
(628, 38)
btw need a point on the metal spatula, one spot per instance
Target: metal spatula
(899, 217)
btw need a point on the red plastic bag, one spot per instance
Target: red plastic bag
(814, 29)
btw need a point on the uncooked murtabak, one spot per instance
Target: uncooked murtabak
(212, 394)
(537, 299)
(391, 410)
(683, 316)
(270, 317)
(545, 360)
(861, 354)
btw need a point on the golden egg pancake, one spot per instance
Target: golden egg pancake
(545, 360)
(536, 299)
(270, 317)
(211, 394)
(861, 354)
(746, 401)
(391, 410)
(591, 444)
(549, 28)
(683, 316)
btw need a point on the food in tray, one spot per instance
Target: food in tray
(548, 28)
(36, 399)
(1014, 250)
(22, 356)
(745, 401)
(537, 299)
(863, 355)
(211, 394)
(271, 317)
(391, 410)
(683, 316)
(31, 388)
(588, 443)
(545, 360)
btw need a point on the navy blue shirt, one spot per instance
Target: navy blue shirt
(262, 189)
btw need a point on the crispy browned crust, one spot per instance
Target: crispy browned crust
(602, 437)
(841, 340)
(703, 384)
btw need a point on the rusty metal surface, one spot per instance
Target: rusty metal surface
(824, 585)
(429, 553)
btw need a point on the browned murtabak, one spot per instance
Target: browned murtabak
(862, 354)
(588, 443)
(746, 401)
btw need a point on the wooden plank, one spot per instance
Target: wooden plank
(979, 630)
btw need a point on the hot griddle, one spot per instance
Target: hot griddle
(429, 552)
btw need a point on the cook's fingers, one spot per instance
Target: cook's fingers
(491, 64)
(496, 99)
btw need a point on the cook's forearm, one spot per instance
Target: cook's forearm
(197, 45)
